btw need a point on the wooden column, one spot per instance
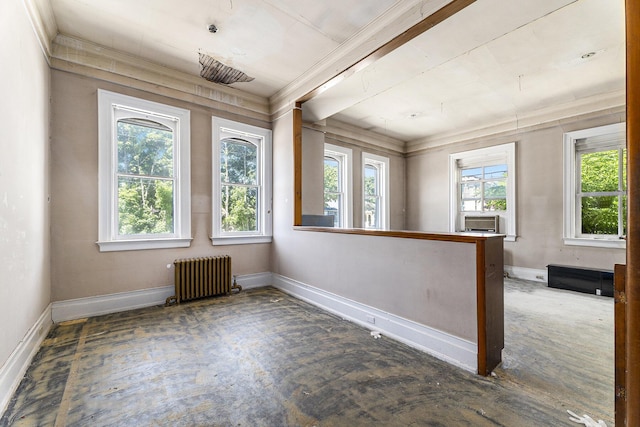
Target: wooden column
(632, 14)
(297, 164)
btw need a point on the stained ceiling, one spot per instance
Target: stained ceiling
(495, 63)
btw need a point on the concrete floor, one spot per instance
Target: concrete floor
(263, 358)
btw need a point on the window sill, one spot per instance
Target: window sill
(596, 243)
(237, 240)
(139, 245)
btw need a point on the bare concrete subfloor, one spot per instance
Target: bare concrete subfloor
(263, 358)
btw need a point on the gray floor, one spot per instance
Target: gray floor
(263, 358)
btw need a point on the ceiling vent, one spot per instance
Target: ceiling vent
(217, 72)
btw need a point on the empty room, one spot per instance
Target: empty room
(285, 212)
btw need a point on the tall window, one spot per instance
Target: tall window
(596, 186)
(241, 183)
(338, 184)
(482, 183)
(375, 174)
(144, 174)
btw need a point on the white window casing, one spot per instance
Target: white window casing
(112, 107)
(223, 129)
(498, 154)
(382, 165)
(587, 140)
(344, 156)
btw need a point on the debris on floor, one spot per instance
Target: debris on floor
(375, 334)
(586, 420)
(276, 300)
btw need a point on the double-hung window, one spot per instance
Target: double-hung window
(241, 183)
(375, 185)
(596, 186)
(482, 183)
(144, 179)
(338, 184)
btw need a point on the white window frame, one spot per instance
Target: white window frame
(572, 235)
(345, 159)
(110, 106)
(223, 128)
(382, 164)
(497, 154)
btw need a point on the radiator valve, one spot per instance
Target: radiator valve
(235, 285)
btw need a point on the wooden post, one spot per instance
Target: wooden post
(632, 14)
(620, 305)
(297, 164)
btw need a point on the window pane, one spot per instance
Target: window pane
(493, 189)
(624, 169)
(471, 206)
(495, 204)
(332, 203)
(331, 174)
(496, 171)
(238, 161)
(239, 206)
(370, 180)
(470, 190)
(473, 174)
(145, 206)
(600, 215)
(599, 171)
(144, 148)
(371, 212)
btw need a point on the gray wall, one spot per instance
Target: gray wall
(24, 177)
(539, 196)
(78, 268)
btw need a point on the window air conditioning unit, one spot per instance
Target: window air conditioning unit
(487, 224)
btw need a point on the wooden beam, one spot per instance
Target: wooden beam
(632, 17)
(427, 23)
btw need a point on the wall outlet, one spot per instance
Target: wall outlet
(371, 319)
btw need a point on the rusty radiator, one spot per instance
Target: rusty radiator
(201, 277)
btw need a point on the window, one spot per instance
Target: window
(144, 177)
(338, 184)
(482, 183)
(241, 183)
(375, 185)
(596, 186)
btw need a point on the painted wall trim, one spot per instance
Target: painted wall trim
(112, 303)
(443, 346)
(16, 365)
(123, 301)
(524, 273)
(89, 59)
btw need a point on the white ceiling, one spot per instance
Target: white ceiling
(496, 61)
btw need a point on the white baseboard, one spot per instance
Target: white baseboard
(123, 301)
(441, 345)
(112, 303)
(258, 280)
(16, 365)
(526, 273)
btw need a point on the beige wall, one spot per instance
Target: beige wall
(405, 277)
(313, 175)
(24, 177)
(78, 268)
(539, 197)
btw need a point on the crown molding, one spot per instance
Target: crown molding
(43, 21)
(609, 103)
(340, 131)
(400, 17)
(93, 60)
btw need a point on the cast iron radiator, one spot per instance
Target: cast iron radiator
(201, 277)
